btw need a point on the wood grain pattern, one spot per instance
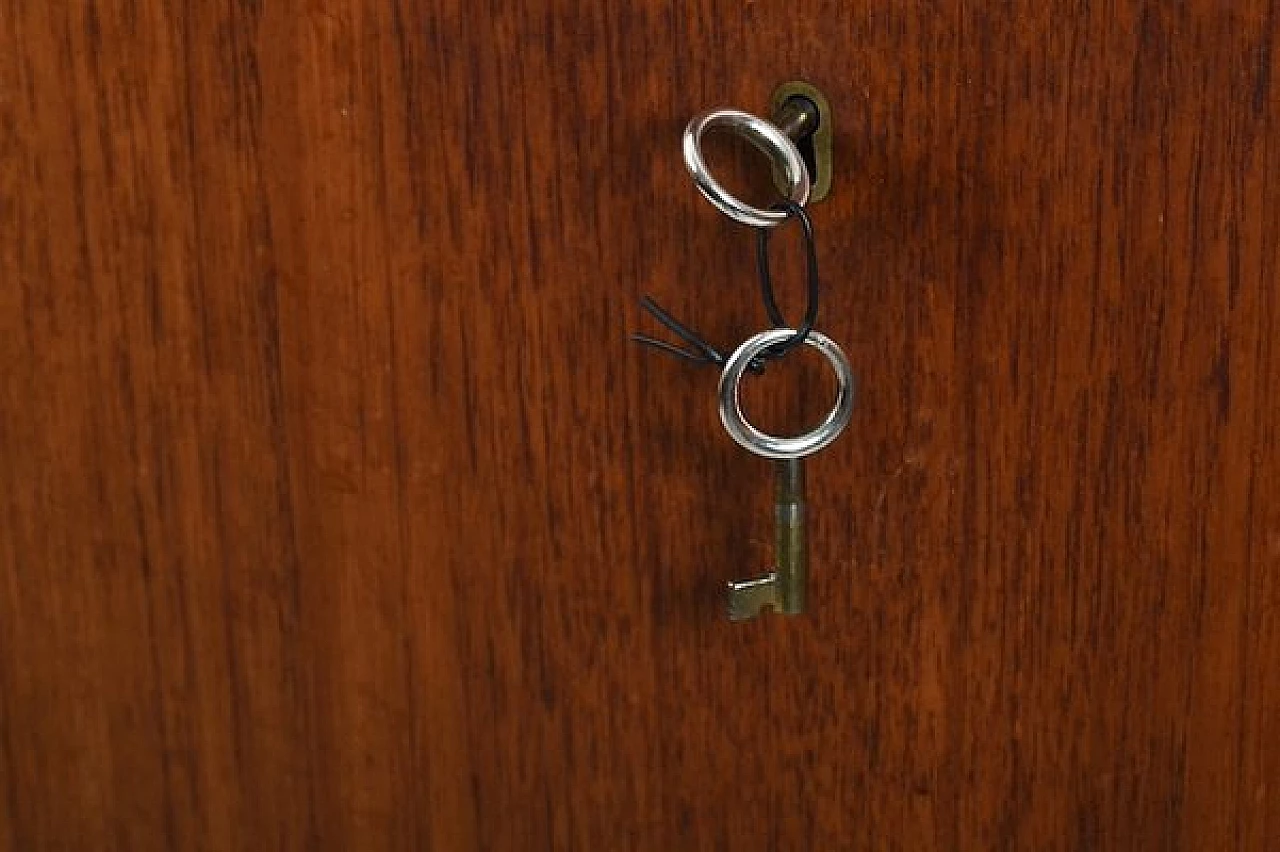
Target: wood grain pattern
(336, 512)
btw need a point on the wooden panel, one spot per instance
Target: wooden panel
(337, 512)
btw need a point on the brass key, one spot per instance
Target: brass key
(784, 587)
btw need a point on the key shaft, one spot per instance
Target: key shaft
(784, 588)
(790, 545)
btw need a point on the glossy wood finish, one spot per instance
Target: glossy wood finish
(337, 513)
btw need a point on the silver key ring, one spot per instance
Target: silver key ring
(769, 446)
(769, 140)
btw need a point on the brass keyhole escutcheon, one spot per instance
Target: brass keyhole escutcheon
(790, 108)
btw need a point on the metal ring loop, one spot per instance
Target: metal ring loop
(769, 446)
(768, 139)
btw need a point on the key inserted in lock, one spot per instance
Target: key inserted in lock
(803, 113)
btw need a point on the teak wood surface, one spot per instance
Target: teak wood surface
(337, 512)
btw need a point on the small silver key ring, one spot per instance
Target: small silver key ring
(769, 140)
(770, 446)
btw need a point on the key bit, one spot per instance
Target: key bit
(748, 597)
(784, 587)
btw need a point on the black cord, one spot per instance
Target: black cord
(702, 352)
(793, 211)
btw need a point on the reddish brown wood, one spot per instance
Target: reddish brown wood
(336, 511)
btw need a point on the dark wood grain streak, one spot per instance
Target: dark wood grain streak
(336, 511)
